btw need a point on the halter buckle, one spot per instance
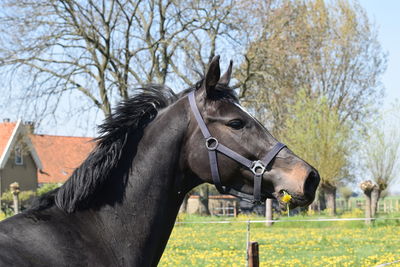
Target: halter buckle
(258, 167)
(212, 143)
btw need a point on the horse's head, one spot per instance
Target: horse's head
(249, 159)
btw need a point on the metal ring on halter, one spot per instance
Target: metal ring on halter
(212, 143)
(258, 167)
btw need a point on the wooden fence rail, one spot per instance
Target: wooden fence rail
(384, 205)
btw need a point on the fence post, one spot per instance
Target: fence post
(14, 188)
(253, 255)
(268, 211)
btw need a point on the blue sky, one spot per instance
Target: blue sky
(386, 14)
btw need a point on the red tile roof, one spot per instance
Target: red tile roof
(6, 130)
(60, 155)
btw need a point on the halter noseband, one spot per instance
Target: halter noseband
(257, 167)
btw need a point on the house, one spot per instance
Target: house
(33, 159)
(19, 160)
(60, 155)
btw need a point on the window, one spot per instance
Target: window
(18, 156)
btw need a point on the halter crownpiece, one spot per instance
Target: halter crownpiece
(213, 146)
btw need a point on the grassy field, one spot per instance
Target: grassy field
(285, 244)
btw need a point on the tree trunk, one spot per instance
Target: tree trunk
(331, 201)
(314, 206)
(349, 206)
(367, 187)
(368, 209)
(183, 208)
(330, 194)
(321, 201)
(268, 211)
(375, 195)
(203, 200)
(346, 203)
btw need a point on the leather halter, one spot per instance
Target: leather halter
(257, 167)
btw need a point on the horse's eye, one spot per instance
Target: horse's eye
(236, 124)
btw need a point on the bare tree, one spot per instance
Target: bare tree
(328, 49)
(99, 49)
(367, 187)
(346, 192)
(382, 154)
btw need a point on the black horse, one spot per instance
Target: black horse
(119, 207)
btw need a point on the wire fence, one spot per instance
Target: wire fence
(248, 222)
(388, 263)
(286, 221)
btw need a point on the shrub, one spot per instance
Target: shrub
(25, 200)
(46, 188)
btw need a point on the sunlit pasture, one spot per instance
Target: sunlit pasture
(285, 244)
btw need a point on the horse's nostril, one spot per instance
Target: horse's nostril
(311, 183)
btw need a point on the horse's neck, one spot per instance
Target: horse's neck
(142, 222)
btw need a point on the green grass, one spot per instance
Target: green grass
(285, 244)
(293, 221)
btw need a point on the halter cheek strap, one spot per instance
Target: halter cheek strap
(258, 167)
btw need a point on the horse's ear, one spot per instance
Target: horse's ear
(212, 76)
(226, 78)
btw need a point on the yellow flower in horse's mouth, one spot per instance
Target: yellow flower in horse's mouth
(286, 197)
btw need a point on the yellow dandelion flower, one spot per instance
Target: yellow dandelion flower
(286, 197)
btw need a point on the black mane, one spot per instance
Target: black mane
(129, 117)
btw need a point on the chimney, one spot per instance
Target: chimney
(30, 126)
(6, 120)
